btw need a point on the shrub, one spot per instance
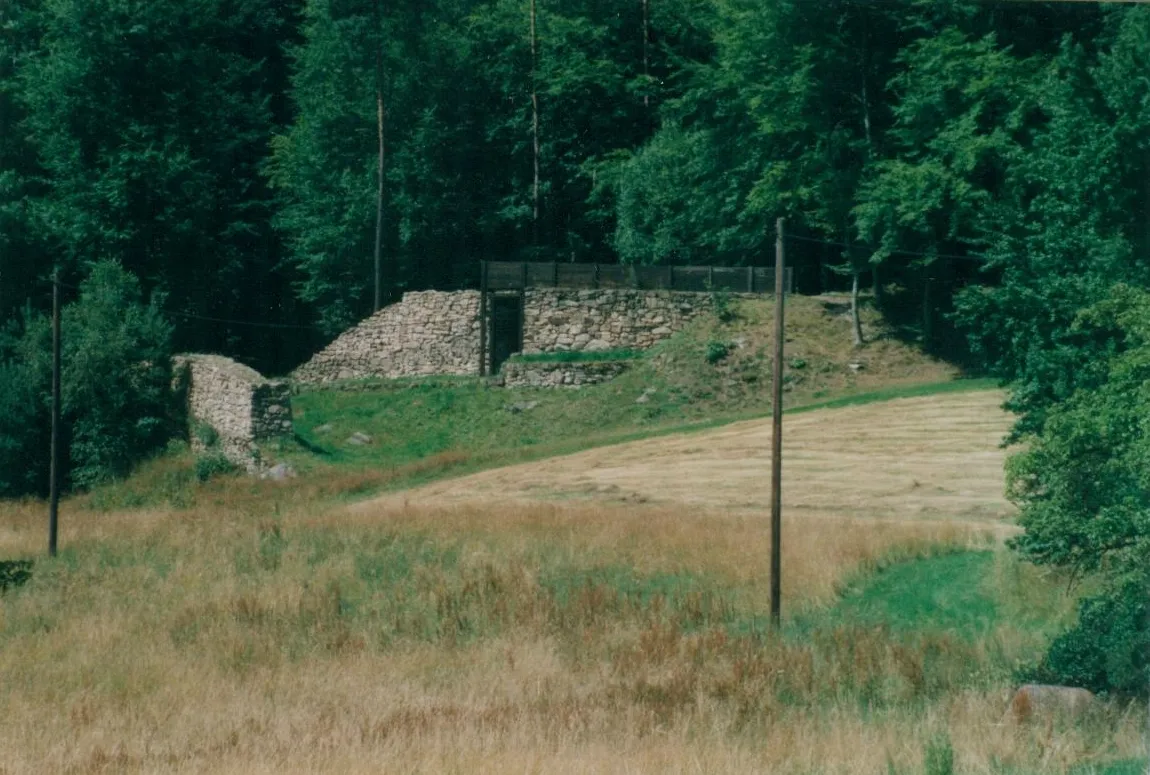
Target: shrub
(717, 351)
(206, 435)
(14, 573)
(1106, 649)
(24, 431)
(213, 464)
(721, 306)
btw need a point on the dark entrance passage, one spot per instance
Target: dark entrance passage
(506, 328)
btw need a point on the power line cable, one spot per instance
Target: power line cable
(257, 324)
(190, 316)
(921, 254)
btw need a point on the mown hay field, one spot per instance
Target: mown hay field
(526, 620)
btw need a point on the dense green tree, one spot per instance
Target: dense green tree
(1083, 487)
(150, 122)
(21, 251)
(964, 107)
(116, 385)
(1071, 225)
(461, 183)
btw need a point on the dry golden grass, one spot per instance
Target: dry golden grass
(257, 632)
(914, 458)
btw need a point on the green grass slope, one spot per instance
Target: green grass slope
(433, 427)
(679, 383)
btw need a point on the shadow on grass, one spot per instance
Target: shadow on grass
(311, 448)
(14, 573)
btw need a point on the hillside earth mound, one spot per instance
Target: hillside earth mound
(716, 370)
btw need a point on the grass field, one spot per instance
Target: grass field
(263, 628)
(589, 609)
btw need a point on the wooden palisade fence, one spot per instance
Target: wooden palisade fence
(519, 275)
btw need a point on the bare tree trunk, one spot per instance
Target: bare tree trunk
(1146, 205)
(646, 58)
(379, 117)
(856, 321)
(534, 129)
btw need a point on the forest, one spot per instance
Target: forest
(227, 153)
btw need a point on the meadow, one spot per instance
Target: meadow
(275, 628)
(429, 608)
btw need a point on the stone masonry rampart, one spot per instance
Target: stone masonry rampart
(428, 332)
(437, 333)
(559, 320)
(241, 407)
(571, 375)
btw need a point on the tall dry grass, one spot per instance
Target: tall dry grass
(563, 638)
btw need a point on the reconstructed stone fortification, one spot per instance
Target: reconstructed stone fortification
(558, 320)
(436, 332)
(240, 405)
(520, 374)
(429, 332)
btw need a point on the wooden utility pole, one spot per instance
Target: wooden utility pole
(777, 430)
(379, 116)
(54, 466)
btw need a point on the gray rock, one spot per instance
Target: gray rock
(359, 439)
(524, 406)
(320, 430)
(1040, 700)
(280, 472)
(856, 367)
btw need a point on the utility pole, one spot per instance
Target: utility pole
(54, 468)
(777, 430)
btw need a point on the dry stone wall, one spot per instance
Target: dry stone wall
(240, 406)
(560, 320)
(574, 375)
(437, 333)
(428, 332)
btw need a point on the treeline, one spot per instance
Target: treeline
(226, 151)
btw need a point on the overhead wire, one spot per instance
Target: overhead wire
(918, 253)
(210, 319)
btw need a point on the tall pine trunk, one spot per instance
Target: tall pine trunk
(379, 116)
(534, 132)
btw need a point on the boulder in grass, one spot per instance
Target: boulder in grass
(1044, 701)
(280, 472)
